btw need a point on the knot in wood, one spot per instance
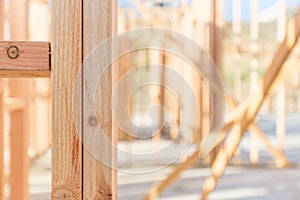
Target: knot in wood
(63, 194)
(92, 120)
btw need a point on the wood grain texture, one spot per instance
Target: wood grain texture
(66, 62)
(33, 60)
(99, 23)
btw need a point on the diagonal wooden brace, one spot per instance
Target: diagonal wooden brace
(268, 83)
(279, 156)
(240, 119)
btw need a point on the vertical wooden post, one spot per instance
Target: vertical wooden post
(20, 127)
(215, 39)
(18, 19)
(2, 176)
(39, 29)
(2, 15)
(156, 95)
(237, 86)
(66, 62)
(99, 23)
(236, 28)
(215, 50)
(254, 73)
(280, 101)
(19, 156)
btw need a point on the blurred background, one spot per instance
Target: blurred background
(241, 36)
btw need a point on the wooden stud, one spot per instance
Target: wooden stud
(236, 27)
(24, 59)
(19, 156)
(278, 155)
(39, 30)
(215, 48)
(2, 143)
(156, 96)
(254, 70)
(281, 92)
(99, 23)
(66, 162)
(19, 88)
(18, 19)
(2, 175)
(237, 71)
(2, 19)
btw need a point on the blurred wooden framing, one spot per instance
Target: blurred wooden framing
(68, 179)
(239, 124)
(19, 97)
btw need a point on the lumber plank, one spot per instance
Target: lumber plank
(66, 61)
(39, 30)
(272, 74)
(158, 188)
(19, 156)
(2, 174)
(254, 32)
(278, 155)
(280, 158)
(281, 91)
(18, 25)
(99, 180)
(2, 19)
(31, 60)
(20, 117)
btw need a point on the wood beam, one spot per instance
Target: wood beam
(254, 31)
(2, 143)
(100, 180)
(19, 25)
(235, 117)
(24, 59)
(281, 92)
(19, 156)
(2, 16)
(2, 175)
(66, 165)
(253, 127)
(158, 188)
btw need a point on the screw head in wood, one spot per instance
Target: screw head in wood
(13, 52)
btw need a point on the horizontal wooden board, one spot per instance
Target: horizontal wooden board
(31, 60)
